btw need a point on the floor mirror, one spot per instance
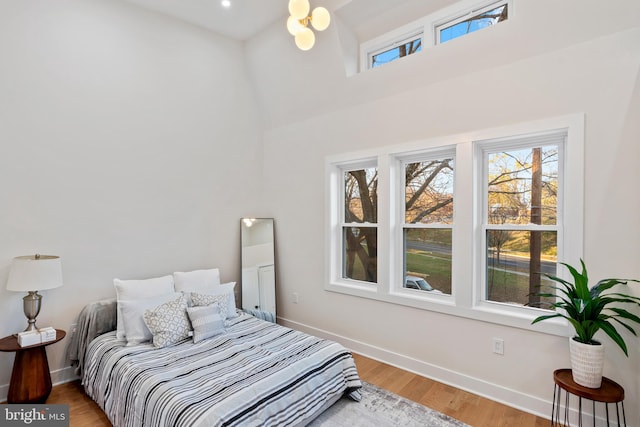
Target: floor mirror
(258, 269)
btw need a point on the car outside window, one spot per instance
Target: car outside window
(428, 220)
(475, 217)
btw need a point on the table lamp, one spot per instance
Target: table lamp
(32, 273)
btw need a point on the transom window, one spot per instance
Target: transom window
(473, 21)
(400, 49)
(462, 18)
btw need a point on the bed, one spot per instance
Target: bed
(257, 373)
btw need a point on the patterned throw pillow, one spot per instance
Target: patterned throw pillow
(168, 322)
(220, 301)
(225, 288)
(207, 322)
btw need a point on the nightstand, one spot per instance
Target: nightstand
(30, 378)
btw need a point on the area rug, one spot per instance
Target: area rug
(381, 408)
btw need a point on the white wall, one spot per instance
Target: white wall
(581, 59)
(129, 146)
(121, 131)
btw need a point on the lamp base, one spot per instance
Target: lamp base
(31, 305)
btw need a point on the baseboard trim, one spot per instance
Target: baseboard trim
(64, 375)
(509, 397)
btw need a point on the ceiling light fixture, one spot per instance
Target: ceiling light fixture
(298, 22)
(226, 3)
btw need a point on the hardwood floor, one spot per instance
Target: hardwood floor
(83, 411)
(469, 408)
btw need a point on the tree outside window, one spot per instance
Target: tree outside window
(428, 221)
(360, 232)
(403, 49)
(522, 222)
(467, 25)
(484, 248)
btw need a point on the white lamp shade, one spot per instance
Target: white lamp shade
(35, 273)
(299, 9)
(320, 18)
(305, 39)
(293, 25)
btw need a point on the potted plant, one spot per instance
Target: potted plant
(589, 310)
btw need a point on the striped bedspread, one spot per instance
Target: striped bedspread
(256, 374)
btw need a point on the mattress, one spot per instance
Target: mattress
(256, 374)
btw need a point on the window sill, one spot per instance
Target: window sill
(496, 313)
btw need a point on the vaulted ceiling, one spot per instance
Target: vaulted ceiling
(245, 18)
(242, 20)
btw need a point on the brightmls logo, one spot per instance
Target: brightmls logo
(34, 415)
(26, 417)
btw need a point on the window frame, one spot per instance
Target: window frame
(466, 267)
(414, 36)
(483, 149)
(337, 213)
(465, 13)
(401, 161)
(426, 26)
(388, 41)
(343, 222)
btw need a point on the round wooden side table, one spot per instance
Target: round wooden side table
(609, 392)
(30, 378)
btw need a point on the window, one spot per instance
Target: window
(428, 221)
(397, 50)
(359, 231)
(521, 217)
(462, 225)
(472, 21)
(461, 18)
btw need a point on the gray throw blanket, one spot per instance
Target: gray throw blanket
(95, 319)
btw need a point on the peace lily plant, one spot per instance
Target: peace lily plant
(590, 310)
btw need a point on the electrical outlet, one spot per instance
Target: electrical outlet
(498, 346)
(295, 297)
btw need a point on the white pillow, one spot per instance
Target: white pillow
(224, 289)
(139, 289)
(197, 280)
(135, 329)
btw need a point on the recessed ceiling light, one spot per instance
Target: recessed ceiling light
(226, 3)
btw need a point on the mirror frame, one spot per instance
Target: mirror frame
(257, 265)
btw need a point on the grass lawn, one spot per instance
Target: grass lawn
(510, 287)
(503, 285)
(434, 268)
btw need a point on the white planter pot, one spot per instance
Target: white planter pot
(587, 361)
